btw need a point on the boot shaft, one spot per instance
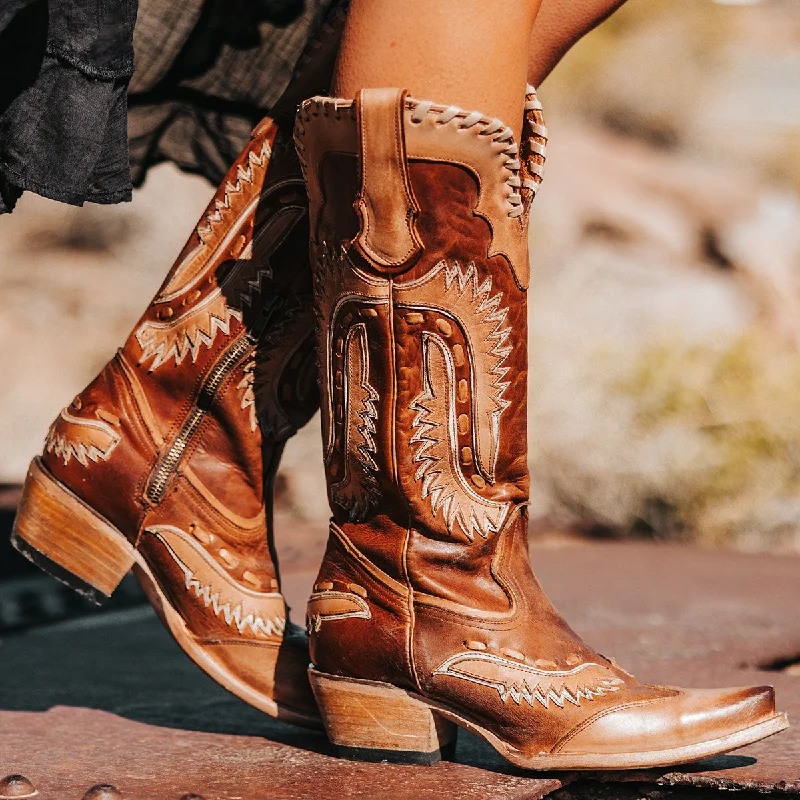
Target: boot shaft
(218, 371)
(418, 216)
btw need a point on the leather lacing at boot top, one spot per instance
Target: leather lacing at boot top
(525, 165)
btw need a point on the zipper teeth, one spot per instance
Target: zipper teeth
(165, 467)
(160, 478)
(220, 371)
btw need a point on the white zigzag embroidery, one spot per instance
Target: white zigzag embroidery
(192, 268)
(358, 492)
(91, 440)
(244, 175)
(233, 615)
(558, 697)
(520, 691)
(435, 434)
(487, 311)
(253, 287)
(161, 341)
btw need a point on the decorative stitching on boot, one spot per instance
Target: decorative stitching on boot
(435, 429)
(84, 440)
(357, 492)
(494, 129)
(482, 317)
(516, 686)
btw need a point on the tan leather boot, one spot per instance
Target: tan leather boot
(426, 615)
(161, 463)
(165, 462)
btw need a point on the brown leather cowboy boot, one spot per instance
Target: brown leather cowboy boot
(426, 613)
(165, 461)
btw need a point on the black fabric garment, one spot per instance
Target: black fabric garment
(206, 72)
(64, 70)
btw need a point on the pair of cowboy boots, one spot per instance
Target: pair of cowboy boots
(425, 615)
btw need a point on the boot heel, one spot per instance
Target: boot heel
(370, 721)
(62, 535)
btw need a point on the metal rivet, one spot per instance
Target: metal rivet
(463, 423)
(515, 654)
(458, 355)
(543, 663)
(195, 295)
(466, 455)
(463, 391)
(444, 326)
(339, 378)
(103, 791)
(369, 312)
(573, 660)
(339, 412)
(475, 645)
(414, 318)
(77, 404)
(165, 313)
(340, 346)
(323, 586)
(229, 560)
(16, 786)
(478, 481)
(356, 589)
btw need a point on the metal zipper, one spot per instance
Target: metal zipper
(165, 468)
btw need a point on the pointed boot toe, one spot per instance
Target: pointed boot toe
(680, 725)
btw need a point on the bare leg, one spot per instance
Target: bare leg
(559, 24)
(470, 53)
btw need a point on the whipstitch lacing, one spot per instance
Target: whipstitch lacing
(498, 132)
(494, 128)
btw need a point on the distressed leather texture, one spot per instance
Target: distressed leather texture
(385, 205)
(423, 375)
(241, 286)
(177, 440)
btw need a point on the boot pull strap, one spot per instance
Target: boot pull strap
(385, 205)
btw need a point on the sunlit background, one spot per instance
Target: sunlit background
(665, 301)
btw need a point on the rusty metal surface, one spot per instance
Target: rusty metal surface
(65, 751)
(672, 614)
(679, 615)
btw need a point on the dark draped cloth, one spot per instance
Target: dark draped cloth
(94, 92)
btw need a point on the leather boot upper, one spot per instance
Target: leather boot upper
(418, 216)
(176, 441)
